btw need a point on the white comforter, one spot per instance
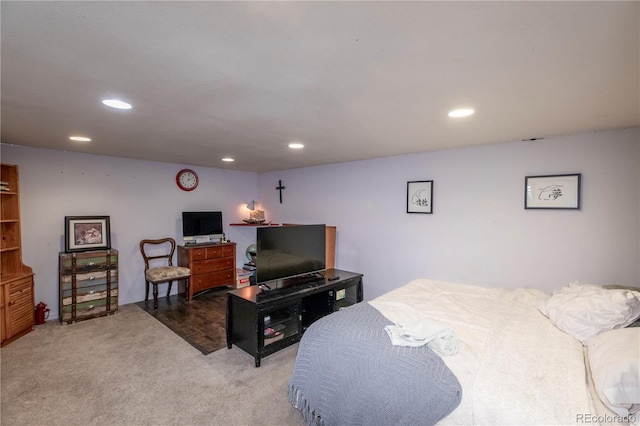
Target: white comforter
(515, 367)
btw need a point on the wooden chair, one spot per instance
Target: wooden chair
(160, 252)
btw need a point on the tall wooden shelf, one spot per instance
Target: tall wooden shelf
(16, 279)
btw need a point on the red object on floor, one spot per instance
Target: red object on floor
(41, 310)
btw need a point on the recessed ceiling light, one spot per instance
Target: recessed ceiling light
(296, 145)
(115, 103)
(80, 138)
(464, 112)
(228, 160)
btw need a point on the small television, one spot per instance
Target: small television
(202, 227)
(289, 251)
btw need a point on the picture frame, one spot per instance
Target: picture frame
(553, 192)
(420, 196)
(83, 233)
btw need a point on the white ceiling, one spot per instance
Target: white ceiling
(350, 80)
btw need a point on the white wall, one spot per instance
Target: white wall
(479, 231)
(141, 198)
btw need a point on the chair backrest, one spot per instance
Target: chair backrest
(156, 250)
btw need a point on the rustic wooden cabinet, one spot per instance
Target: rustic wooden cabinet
(19, 308)
(88, 284)
(16, 279)
(212, 265)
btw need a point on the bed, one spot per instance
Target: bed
(523, 357)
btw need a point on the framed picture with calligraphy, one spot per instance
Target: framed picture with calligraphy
(420, 196)
(552, 192)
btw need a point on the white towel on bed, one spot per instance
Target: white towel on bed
(415, 329)
(438, 337)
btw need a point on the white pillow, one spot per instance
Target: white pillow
(614, 358)
(584, 310)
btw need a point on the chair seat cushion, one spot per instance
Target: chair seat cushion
(166, 273)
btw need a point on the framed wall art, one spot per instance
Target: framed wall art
(552, 192)
(420, 196)
(84, 233)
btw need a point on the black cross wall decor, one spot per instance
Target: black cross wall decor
(280, 188)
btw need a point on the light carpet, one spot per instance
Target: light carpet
(129, 369)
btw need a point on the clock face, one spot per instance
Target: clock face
(187, 180)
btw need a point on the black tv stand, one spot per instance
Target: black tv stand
(289, 283)
(302, 279)
(261, 322)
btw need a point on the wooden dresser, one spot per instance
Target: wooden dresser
(212, 265)
(16, 279)
(88, 284)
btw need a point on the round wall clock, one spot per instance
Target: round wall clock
(187, 180)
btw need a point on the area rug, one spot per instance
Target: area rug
(200, 321)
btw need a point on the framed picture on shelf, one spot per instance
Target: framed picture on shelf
(82, 233)
(552, 192)
(420, 196)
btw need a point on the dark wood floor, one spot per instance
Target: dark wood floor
(200, 321)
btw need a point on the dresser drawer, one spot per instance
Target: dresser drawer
(19, 290)
(198, 254)
(90, 309)
(88, 261)
(213, 252)
(212, 265)
(89, 279)
(212, 279)
(87, 294)
(220, 251)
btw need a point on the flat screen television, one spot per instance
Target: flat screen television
(202, 226)
(289, 251)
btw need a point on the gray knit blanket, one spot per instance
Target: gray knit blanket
(347, 372)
